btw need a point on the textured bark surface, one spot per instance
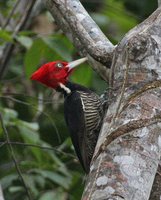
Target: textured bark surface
(128, 151)
(156, 189)
(159, 3)
(129, 147)
(80, 28)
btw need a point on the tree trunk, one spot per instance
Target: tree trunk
(128, 150)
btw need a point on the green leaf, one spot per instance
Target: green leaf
(8, 115)
(28, 131)
(24, 41)
(26, 33)
(29, 134)
(55, 158)
(48, 196)
(5, 36)
(57, 195)
(76, 189)
(120, 16)
(7, 180)
(38, 53)
(61, 45)
(13, 189)
(56, 178)
(34, 182)
(82, 75)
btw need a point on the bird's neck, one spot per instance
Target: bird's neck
(70, 87)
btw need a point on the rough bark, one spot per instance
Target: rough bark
(159, 3)
(83, 32)
(156, 189)
(129, 146)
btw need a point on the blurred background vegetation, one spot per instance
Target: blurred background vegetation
(33, 114)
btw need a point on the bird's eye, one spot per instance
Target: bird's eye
(59, 65)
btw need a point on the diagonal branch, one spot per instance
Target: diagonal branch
(10, 46)
(37, 146)
(13, 157)
(11, 14)
(80, 28)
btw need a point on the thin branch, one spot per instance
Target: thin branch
(10, 46)
(1, 194)
(80, 28)
(11, 14)
(3, 143)
(14, 158)
(31, 105)
(24, 18)
(1, 19)
(8, 94)
(40, 147)
(84, 28)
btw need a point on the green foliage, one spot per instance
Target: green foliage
(53, 172)
(83, 75)
(33, 114)
(24, 41)
(5, 36)
(45, 50)
(119, 16)
(141, 8)
(58, 194)
(38, 53)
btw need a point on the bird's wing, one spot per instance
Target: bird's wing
(93, 114)
(82, 123)
(74, 116)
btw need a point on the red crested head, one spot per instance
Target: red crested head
(53, 73)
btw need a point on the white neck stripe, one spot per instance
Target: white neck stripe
(66, 89)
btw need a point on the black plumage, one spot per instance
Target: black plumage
(83, 113)
(83, 108)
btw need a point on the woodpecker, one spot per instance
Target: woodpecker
(83, 108)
